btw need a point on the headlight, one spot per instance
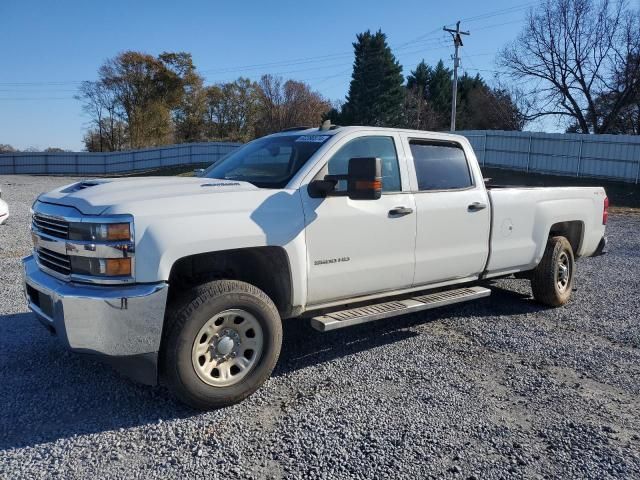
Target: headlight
(100, 232)
(111, 251)
(98, 249)
(101, 267)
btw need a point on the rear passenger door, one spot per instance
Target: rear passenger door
(452, 239)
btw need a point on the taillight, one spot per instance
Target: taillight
(605, 211)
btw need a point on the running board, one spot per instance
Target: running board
(369, 313)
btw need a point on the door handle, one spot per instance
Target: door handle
(400, 211)
(476, 206)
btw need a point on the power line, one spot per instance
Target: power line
(435, 30)
(424, 43)
(321, 58)
(36, 98)
(436, 45)
(427, 39)
(495, 25)
(58, 83)
(283, 63)
(488, 70)
(26, 91)
(503, 11)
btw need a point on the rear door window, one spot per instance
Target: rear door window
(440, 166)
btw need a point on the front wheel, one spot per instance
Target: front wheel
(552, 279)
(221, 344)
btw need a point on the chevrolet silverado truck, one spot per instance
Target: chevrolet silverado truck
(185, 281)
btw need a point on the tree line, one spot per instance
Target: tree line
(576, 60)
(6, 148)
(140, 100)
(379, 96)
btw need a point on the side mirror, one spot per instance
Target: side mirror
(198, 172)
(364, 181)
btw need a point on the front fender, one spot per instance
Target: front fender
(278, 220)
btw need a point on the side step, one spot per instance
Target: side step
(368, 313)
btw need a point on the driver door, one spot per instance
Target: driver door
(360, 247)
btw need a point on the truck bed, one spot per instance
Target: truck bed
(522, 218)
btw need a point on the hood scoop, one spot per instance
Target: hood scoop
(76, 187)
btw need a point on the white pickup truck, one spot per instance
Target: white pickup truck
(186, 280)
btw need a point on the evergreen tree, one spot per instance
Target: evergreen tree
(417, 110)
(376, 93)
(480, 107)
(440, 91)
(419, 78)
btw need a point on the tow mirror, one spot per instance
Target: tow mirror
(364, 181)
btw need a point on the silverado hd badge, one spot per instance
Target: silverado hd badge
(331, 260)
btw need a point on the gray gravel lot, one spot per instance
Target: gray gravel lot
(499, 388)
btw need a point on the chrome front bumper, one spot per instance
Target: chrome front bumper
(121, 323)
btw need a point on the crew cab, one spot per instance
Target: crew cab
(186, 280)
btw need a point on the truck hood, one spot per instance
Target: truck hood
(93, 197)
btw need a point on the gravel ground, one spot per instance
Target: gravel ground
(499, 388)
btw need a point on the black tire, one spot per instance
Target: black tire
(188, 315)
(546, 281)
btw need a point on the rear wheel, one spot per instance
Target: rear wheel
(552, 279)
(222, 343)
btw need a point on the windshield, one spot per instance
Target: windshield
(268, 162)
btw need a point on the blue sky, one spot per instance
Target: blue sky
(48, 47)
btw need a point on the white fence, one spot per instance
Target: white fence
(85, 163)
(614, 157)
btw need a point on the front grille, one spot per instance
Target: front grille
(55, 261)
(51, 226)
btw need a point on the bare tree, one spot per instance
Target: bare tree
(271, 105)
(288, 104)
(575, 52)
(231, 110)
(107, 130)
(91, 95)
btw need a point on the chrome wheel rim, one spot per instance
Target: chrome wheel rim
(227, 347)
(563, 272)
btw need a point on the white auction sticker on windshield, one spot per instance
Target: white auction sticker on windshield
(312, 138)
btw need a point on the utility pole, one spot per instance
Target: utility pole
(457, 43)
